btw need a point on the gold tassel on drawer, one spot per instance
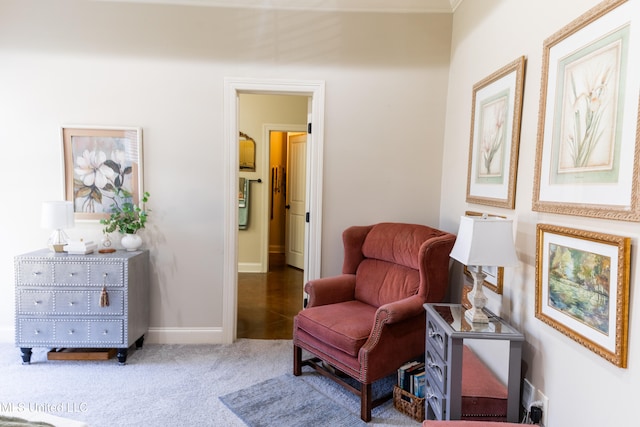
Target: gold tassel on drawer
(104, 297)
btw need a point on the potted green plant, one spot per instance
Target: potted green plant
(127, 219)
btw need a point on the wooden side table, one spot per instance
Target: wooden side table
(446, 331)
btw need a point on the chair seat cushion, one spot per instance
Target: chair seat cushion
(345, 326)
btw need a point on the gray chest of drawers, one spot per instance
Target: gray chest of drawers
(58, 300)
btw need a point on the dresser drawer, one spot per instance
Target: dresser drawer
(70, 273)
(106, 331)
(115, 307)
(436, 368)
(34, 331)
(437, 338)
(106, 274)
(72, 332)
(435, 399)
(35, 301)
(34, 273)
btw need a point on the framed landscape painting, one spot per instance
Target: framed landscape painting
(495, 136)
(582, 288)
(588, 142)
(102, 169)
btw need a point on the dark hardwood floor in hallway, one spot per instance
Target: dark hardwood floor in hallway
(267, 302)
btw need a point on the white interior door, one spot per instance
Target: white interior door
(295, 206)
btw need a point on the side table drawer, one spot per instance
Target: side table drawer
(70, 273)
(435, 398)
(437, 338)
(106, 331)
(436, 368)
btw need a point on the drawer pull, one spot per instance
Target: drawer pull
(104, 297)
(72, 303)
(37, 302)
(72, 274)
(36, 332)
(105, 332)
(37, 273)
(71, 332)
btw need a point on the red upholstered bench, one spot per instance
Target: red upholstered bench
(464, 423)
(484, 397)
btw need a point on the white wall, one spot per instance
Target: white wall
(583, 388)
(162, 68)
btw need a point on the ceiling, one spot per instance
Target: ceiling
(381, 6)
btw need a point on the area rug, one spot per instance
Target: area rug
(308, 400)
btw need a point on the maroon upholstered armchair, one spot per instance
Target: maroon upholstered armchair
(369, 320)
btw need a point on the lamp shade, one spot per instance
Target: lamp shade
(57, 215)
(485, 241)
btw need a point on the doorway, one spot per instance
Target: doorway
(314, 90)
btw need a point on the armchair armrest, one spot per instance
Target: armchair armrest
(331, 290)
(400, 310)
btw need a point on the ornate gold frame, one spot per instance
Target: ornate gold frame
(578, 197)
(478, 192)
(561, 316)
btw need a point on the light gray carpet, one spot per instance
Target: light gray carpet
(161, 385)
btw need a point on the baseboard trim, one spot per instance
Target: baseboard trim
(250, 267)
(185, 336)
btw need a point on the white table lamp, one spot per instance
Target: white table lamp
(483, 241)
(57, 216)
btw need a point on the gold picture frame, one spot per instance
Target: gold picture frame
(495, 136)
(582, 288)
(494, 275)
(588, 144)
(102, 168)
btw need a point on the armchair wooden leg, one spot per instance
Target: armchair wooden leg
(365, 402)
(297, 361)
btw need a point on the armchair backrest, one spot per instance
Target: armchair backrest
(393, 261)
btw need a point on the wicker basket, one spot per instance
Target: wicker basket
(408, 404)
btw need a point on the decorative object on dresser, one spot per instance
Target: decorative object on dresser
(459, 385)
(81, 301)
(57, 215)
(483, 241)
(369, 320)
(127, 219)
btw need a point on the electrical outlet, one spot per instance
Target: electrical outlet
(527, 393)
(540, 397)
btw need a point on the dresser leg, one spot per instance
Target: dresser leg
(122, 355)
(25, 352)
(139, 342)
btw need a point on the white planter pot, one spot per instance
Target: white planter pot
(131, 242)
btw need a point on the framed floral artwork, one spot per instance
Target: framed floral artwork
(588, 142)
(102, 169)
(495, 136)
(582, 288)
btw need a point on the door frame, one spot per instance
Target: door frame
(233, 87)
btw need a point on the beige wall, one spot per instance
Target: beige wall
(162, 68)
(583, 388)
